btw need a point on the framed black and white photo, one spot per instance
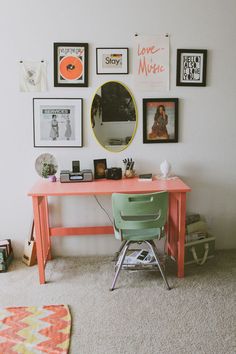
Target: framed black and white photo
(160, 120)
(112, 61)
(57, 122)
(191, 67)
(70, 64)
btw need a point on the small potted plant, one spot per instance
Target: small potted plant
(48, 169)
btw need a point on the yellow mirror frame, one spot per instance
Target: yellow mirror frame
(113, 148)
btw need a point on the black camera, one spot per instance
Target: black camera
(113, 173)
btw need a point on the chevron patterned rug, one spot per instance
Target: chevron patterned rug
(35, 330)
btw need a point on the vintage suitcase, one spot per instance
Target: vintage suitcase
(199, 251)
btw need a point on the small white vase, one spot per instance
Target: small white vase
(165, 168)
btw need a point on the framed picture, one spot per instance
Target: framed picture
(99, 168)
(160, 120)
(112, 60)
(191, 67)
(71, 64)
(57, 122)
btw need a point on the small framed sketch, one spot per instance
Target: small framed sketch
(71, 64)
(57, 122)
(160, 120)
(112, 60)
(99, 168)
(191, 67)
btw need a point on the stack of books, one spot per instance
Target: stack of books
(6, 254)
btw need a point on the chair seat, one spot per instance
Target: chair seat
(141, 235)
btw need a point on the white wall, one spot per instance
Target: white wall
(205, 154)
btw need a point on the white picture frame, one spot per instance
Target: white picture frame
(57, 122)
(112, 61)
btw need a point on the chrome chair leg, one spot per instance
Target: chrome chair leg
(120, 264)
(116, 255)
(153, 248)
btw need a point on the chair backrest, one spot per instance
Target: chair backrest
(139, 211)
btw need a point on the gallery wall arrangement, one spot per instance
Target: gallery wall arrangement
(58, 122)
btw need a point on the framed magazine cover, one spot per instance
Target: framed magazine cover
(191, 67)
(57, 122)
(160, 120)
(70, 64)
(112, 61)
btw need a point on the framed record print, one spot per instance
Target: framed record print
(191, 67)
(70, 64)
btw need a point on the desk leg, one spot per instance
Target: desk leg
(40, 248)
(176, 229)
(181, 233)
(172, 226)
(46, 228)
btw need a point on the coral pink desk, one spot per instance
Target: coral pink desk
(43, 189)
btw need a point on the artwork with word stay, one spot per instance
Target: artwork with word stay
(151, 62)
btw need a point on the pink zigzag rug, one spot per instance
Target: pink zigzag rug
(35, 330)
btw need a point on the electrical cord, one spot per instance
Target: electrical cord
(101, 206)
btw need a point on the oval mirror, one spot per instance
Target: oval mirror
(113, 116)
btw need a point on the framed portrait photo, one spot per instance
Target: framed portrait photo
(191, 67)
(57, 122)
(99, 168)
(112, 61)
(160, 120)
(70, 64)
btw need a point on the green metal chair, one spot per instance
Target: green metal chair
(139, 218)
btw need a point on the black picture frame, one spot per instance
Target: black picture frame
(100, 165)
(191, 67)
(112, 61)
(71, 64)
(160, 120)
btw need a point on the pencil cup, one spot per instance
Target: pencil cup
(129, 173)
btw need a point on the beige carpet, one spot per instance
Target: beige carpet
(198, 316)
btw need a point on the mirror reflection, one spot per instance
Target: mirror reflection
(113, 116)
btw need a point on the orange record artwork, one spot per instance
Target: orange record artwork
(71, 64)
(71, 68)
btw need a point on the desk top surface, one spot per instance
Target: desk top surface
(104, 186)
